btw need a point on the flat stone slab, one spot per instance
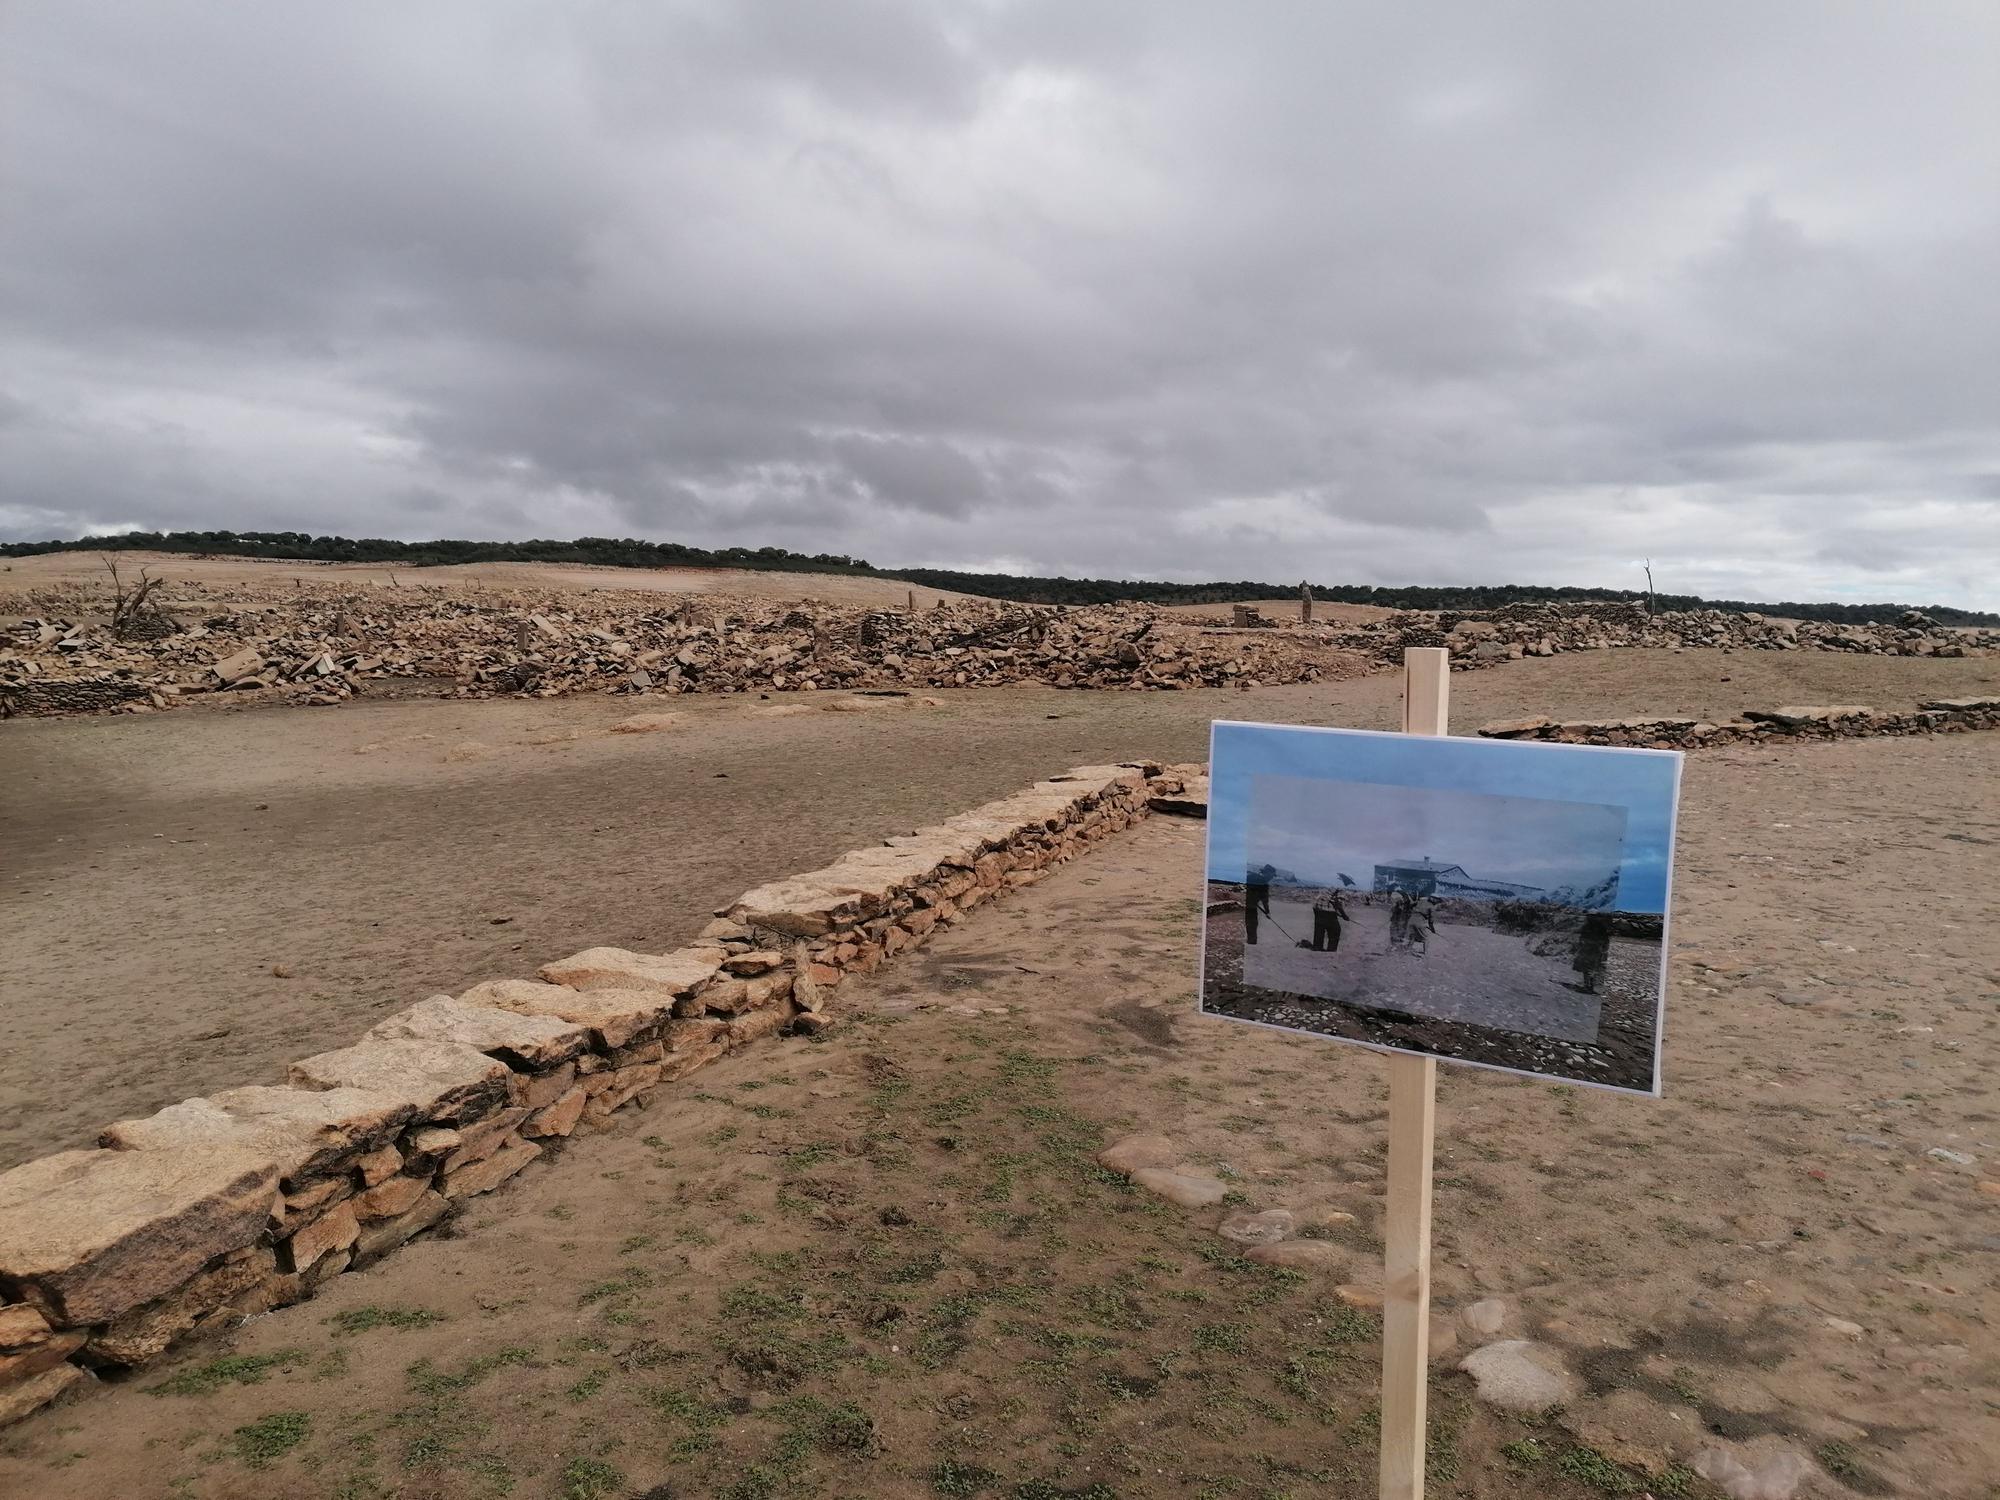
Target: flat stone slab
(1520, 1375)
(1188, 1189)
(438, 1080)
(304, 1131)
(89, 1235)
(524, 1040)
(620, 969)
(614, 1017)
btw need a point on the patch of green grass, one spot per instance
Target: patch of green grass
(362, 1319)
(230, 1369)
(263, 1442)
(1590, 1467)
(1839, 1459)
(951, 1477)
(590, 1479)
(1524, 1453)
(587, 1387)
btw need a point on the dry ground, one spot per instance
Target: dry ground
(53, 568)
(885, 1265)
(155, 871)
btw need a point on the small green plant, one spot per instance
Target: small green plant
(263, 1442)
(950, 1477)
(362, 1319)
(1590, 1467)
(590, 1479)
(231, 1369)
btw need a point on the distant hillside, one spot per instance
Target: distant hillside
(298, 546)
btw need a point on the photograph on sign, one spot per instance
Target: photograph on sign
(1482, 901)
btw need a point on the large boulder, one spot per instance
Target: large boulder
(89, 1235)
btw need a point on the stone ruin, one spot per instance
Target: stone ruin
(219, 1208)
(1836, 721)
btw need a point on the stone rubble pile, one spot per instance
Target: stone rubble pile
(1516, 630)
(219, 1208)
(321, 645)
(321, 642)
(1835, 721)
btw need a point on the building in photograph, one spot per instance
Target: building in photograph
(1429, 877)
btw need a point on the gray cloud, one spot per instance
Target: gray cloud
(1363, 292)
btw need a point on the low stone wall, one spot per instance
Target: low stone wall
(222, 1207)
(1836, 721)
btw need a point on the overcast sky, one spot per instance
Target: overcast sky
(1320, 830)
(1372, 293)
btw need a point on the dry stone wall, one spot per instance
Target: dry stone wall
(222, 1207)
(1835, 721)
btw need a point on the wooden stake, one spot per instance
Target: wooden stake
(1406, 1260)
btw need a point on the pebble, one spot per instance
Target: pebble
(1945, 1153)
(1842, 1326)
(1356, 1295)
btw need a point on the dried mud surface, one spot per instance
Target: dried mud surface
(886, 1264)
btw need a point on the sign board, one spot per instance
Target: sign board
(1481, 901)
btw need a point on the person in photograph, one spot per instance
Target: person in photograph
(1256, 899)
(1400, 906)
(1430, 914)
(1593, 946)
(1329, 911)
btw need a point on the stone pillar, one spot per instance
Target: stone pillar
(1305, 604)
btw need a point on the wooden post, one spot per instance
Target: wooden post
(1406, 1259)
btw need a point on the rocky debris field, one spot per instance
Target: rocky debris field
(1826, 722)
(320, 641)
(321, 644)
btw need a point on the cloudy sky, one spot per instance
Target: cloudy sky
(1371, 293)
(1321, 829)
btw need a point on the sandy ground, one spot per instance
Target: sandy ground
(885, 1265)
(53, 568)
(1461, 972)
(156, 871)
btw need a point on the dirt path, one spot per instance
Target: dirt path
(156, 872)
(886, 1265)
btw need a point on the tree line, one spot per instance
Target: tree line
(300, 546)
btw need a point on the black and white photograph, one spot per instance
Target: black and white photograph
(1371, 887)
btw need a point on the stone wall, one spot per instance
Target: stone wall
(222, 1207)
(1836, 721)
(1516, 630)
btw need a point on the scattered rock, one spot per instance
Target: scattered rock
(1301, 1255)
(1266, 1228)
(1775, 1474)
(1188, 1189)
(1136, 1152)
(646, 723)
(1519, 1375)
(1485, 1318)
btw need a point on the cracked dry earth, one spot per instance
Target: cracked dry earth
(887, 1264)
